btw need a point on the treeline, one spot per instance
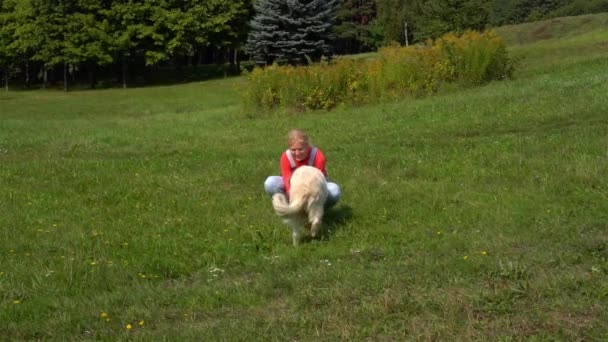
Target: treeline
(48, 42)
(378, 22)
(45, 40)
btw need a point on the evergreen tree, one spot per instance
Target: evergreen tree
(291, 31)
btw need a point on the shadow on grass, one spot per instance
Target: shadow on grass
(334, 219)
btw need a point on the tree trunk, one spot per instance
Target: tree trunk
(92, 75)
(27, 74)
(6, 78)
(45, 77)
(237, 61)
(124, 72)
(200, 58)
(65, 76)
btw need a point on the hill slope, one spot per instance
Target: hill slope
(477, 215)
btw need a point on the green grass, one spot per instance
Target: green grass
(475, 215)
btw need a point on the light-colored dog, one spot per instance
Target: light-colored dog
(307, 197)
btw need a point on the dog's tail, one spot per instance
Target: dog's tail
(284, 208)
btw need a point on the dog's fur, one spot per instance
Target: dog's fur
(307, 197)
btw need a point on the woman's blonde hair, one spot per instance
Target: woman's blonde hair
(296, 135)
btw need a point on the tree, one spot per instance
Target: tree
(291, 31)
(22, 35)
(531, 10)
(130, 27)
(220, 24)
(393, 16)
(86, 40)
(441, 16)
(7, 32)
(353, 31)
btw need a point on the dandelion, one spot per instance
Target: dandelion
(93, 263)
(16, 301)
(104, 315)
(141, 323)
(129, 326)
(484, 253)
(466, 257)
(439, 232)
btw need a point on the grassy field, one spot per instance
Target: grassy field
(477, 214)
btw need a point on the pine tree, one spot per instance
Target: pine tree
(291, 31)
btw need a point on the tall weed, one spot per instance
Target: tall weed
(470, 59)
(476, 58)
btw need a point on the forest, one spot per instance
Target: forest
(47, 43)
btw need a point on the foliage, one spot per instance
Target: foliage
(469, 59)
(80, 33)
(353, 28)
(437, 18)
(391, 19)
(45, 41)
(579, 7)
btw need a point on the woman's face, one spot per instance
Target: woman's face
(299, 150)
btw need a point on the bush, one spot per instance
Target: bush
(470, 59)
(476, 58)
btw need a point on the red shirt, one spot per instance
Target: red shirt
(287, 171)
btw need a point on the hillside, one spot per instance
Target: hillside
(554, 29)
(475, 214)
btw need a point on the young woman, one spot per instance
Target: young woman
(300, 153)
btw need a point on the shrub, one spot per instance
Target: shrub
(476, 58)
(469, 59)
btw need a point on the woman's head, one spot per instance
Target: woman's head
(297, 140)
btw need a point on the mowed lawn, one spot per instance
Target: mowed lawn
(474, 214)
